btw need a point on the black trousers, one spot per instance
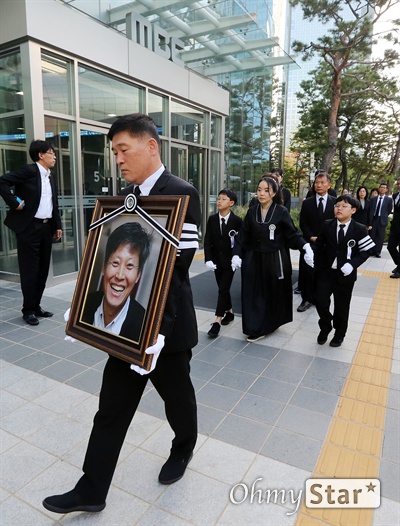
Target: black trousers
(325, 287)
(34, 253)
(394, 243)
(306, 280)
(120, 395)
(377, 234)
(224, 277)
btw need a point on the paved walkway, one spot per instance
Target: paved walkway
(271, 415)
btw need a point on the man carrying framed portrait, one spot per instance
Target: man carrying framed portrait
(136, 145)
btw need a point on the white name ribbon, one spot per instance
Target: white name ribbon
(272, 232)
(350, 244)
(130, 205)
(232, 234)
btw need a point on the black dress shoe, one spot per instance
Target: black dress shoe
(229, 316)
(336, 341)
(40, 313)
(322, 337)
(214, 331)
(395, 275)
(304, 305)
(71, 501)
(30, 319)
(174, 469)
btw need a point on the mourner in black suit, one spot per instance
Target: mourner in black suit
(341, 247)
(218, 244)
(379, 210)
(35, 219)
(114, 308)
(394, 234)
(136, 145)
(314, 211)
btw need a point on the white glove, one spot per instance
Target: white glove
(66, 318)
(236, 263)
(155, 351)
(309, 255)
(211, 266)
(347, 269)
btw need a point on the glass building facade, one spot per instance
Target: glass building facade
(212, 107)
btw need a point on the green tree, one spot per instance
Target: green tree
(347, 45)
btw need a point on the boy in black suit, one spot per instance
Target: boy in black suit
(218, 244)
(341, 247)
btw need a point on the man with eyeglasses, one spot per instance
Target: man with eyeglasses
(31, 194)
(314, 211)
(341, 247)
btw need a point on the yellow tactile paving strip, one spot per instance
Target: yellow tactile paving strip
(353, 445)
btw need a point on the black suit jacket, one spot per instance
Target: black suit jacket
(28, 186)
(218, 247)
(310, 222)
(327, 249)
(133, 322)
(179, 324)
(386, 209)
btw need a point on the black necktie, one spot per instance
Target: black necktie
(223, 225)
(378, 207)
(137, 191)
(341, 234)
(321, 207)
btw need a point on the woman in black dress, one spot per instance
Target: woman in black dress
(267, 296)
(361, 216)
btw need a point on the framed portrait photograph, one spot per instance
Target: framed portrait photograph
(125, 274)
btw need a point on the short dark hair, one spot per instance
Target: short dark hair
(39, 146)
(322, 173)
(278, 171)
(134, 236)
(137, 125)
(352, 201)
(229, 193)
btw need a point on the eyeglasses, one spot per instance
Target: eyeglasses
(51, 153)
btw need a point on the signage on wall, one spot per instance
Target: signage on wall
(153, 37)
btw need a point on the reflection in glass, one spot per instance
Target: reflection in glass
(157, 108)
(102, 98)
(187, 123)
(11, 94)
(56, 84)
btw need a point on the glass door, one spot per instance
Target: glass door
(179, 161)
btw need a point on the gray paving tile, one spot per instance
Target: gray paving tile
(21, 334)
(257, 408)
(89, 381)
(242, 432)
(234, 379)
(215, 355)
(218, 396)
(395, 381)
(314, 400)
(64, 349)
(389, 475)
(285, 373)
(248, 364)
(292, 359)
(88, 356)
(41, 341)
(304, 422)
(293, 449)
(152, 404)
(37, 361)
(328, 383)
(203, 370)
(393, 400)
(260, 351)
(272, 389)
(325, 367)
(209, 419)
(63, 370)
(14, 352)
(229, 344)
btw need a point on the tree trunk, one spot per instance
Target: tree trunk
(333, 128)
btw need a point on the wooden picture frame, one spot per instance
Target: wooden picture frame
(106, 281)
